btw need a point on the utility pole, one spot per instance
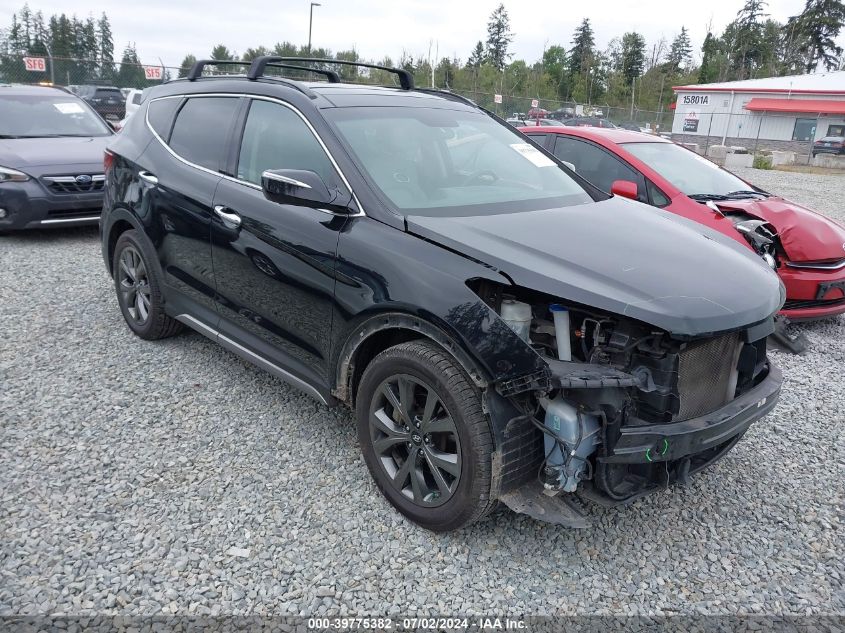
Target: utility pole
(633, 87)
(52, 64)
(310, 21)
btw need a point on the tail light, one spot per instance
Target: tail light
(108, 160)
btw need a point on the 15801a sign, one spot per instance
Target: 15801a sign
(695, 99)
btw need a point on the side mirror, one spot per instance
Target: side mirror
(296, 186)
(624, 188)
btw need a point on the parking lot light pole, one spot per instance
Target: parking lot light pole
(310, 21)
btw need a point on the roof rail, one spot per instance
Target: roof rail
(448, 94)
(196, 70)
(256, 70)
(330, 75)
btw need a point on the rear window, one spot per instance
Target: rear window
(202, 128)
(108, 93)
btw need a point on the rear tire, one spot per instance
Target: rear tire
(138, 289)
(424, 436)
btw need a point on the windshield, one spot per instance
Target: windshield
(32, 116)
(450, 162)
(685, 169)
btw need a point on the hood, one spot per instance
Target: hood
(805, 235)
(623, 257)
(23, 153)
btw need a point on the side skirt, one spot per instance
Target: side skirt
(252, 357)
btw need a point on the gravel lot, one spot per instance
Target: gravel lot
(141, 478)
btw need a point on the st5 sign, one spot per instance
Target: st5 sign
(152, 72)
(35, 64)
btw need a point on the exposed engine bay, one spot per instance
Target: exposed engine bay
(612, 377)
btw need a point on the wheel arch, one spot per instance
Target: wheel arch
(120, 221)
(383, 331)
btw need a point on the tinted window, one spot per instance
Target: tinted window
(276, 138)
(201, 130)
(836, 130)
(593, 163)
(108, 93)
(429, 161)
(805, 129)
(160, 115)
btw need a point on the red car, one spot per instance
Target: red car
(805, 248)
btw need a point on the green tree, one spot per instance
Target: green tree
(708, 72)
(221, 53)
(477, 57)
(105, 42)
(130, 74)
(583, 49)
(186, 65)
(554, 66)
(818, 26)
(633, 56)
(499, 37)
(747, 38)
(680, 52)
(253, 53)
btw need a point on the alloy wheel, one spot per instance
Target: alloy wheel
(415, 440)
(134, 285)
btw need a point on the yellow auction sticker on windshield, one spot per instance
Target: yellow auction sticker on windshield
(533, 154)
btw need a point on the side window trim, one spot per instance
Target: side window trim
(233, 149)
(360, 209)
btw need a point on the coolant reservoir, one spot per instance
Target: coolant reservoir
(579, 433)
(518, 317)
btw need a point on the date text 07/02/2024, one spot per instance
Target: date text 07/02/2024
(440, 623)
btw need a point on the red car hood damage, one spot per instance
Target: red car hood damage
(805, 235)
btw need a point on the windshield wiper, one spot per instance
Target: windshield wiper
(704, 197)
(747, 192)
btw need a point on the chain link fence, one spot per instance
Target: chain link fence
(743, 132)
(71, 72)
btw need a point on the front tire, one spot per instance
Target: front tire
(138, 289)
(425, 438)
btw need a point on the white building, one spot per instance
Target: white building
(774, 113)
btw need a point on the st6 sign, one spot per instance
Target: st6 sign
(35, 64)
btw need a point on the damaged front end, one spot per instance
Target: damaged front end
(621, 409)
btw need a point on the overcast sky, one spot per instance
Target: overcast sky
(169, 29)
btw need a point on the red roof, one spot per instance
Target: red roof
(816, 106)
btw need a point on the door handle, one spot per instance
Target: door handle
(148, 177)
(227, 215)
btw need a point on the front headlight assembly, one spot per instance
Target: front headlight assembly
(12, 175)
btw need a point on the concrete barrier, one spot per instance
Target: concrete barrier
(738, 160)
(829, 161)
(717, 152)
(693, 146)
(783, 158)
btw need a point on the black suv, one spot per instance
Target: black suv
(502, 329)
(108, 101)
